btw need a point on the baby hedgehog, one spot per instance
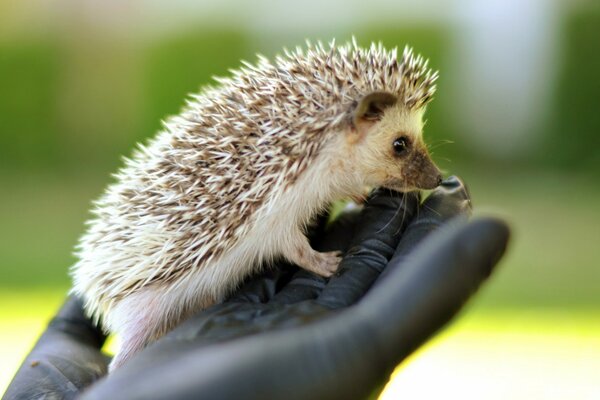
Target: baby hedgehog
(234, 179)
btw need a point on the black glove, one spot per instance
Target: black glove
(289, 334)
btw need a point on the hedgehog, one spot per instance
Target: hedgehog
(232, 182)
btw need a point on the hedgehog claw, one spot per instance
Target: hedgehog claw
(325, 264)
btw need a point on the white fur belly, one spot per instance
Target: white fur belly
(212, 282)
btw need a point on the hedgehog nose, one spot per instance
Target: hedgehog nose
(440, 179)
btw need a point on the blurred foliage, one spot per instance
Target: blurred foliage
(81, 102)
(179, 66)
(42, 216)
(574, 127)
(29, 83)
(75, 104)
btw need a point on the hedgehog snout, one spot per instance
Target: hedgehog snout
(421, 172)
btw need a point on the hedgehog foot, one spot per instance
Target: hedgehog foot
(323, 264)
(326, 264)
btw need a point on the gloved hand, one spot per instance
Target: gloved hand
(289, 334)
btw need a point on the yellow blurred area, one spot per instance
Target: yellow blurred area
(508, 354)
(497, 354)
(25, 314)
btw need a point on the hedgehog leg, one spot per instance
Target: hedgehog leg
(139, 320)
(132, 341)
(323, 264)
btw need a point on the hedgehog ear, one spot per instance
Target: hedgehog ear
(370, 109)
(372, 106)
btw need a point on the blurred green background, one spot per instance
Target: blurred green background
(81, 83)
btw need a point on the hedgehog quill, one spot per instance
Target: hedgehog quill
(233, 180)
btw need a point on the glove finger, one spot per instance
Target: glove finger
(447, 200)
(71, 319)
(65, 359)
(263, 287)
(381, 223)
(451, 199)
(428, 289)
(303, 286)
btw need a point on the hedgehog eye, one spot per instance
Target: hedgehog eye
(400, 145)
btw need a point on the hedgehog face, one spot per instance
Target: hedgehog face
(388, 144)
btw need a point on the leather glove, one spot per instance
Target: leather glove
(289, 334)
